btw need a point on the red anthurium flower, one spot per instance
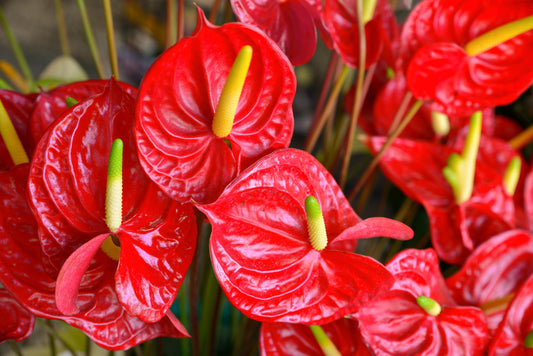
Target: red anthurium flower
(291, 24)
(493, 273)
(515, 334)
(451, 64)
(23, 273)
(67, 191)
(416, 168)
(266, 253)
(18, 108)
(297, 339)
(417, 316)
(50, 105)
(17, 322)
(177, 144)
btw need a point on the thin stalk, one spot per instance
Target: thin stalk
(171, 36)
(195, 286)
(184, 314)
(214, 11)
(52, 332)
(14, 76)
(228, 12)
(181, 19)
(90, 38)
(312, 137)
(333, 60)
(18, 53)
(62, 28)
(111, 39)
(215, 322)
(358, 102)
(401, 111)
(88, 346)
(408, 117)
(208, 309)
(15, 347)
(366, 194)
(522, 139)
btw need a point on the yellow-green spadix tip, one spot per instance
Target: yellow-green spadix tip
(316, 227)
(231, 93)
(113, 201)
(528, 341)
(429, 305)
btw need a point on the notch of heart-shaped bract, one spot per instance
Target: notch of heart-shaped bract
(265, 258)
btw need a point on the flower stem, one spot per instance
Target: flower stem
(181, 19)
(11, 139)
(90, 38)
(14, 76)
(15, 347)
(498, 36)
(522, 139)
(111, 39)
(62, 28)
(214, 11)
(171, 36)
(325, 343)
(18, 53)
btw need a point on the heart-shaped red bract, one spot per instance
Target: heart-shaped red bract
(23, 273)
(67, 190)
(261, 252)
(394, 324)
(17, 322)
(439, 69)
(50, 105)
(291, 24)
(177, 101)
(297, 339)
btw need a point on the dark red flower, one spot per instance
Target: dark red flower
(17, 322)
(176, 106)
(417, 316)
(446, 69)
(297, 339)
(515, 335)
(291, 24)
(261, 250)
(23, 273)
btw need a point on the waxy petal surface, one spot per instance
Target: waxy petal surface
(297, 339)
(17, 322)
(23, 273)
(177, 101)
(67, 188)
(441, 71)
(261, 252)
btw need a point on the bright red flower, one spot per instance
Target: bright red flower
(176, 104)
(67, 191)
(297, 339)
(18, 108)
(400, 323)
(456, 79)
(291, 24)
(416, 168)
(23, 273)
(261, 250)
(50, 105)
(17, 322)
(514, 337)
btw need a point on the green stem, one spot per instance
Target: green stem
(111, 39)
(214, 11)
(18, 53)
(171, 36)
(90, 38)
(208, 310)
(62, 28)
(184, 314)
(54, 335)
(327, 346)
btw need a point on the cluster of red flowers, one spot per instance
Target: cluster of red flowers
(99, 212)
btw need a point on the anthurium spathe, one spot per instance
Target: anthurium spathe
(17, 322)
(417, 316)
(23, 273)
(178, 102)
(149, 252)
(283, 239)
(297, 339)
(465, 56)
(291, 24)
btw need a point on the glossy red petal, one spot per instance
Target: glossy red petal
(261, 252)
(176, 105)
(23, 273)
(17, 322)
(297, 339)
(438, 68)
(291, 24)
(18, 107)
(495, 269)
(517, 323)
(50, 105)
